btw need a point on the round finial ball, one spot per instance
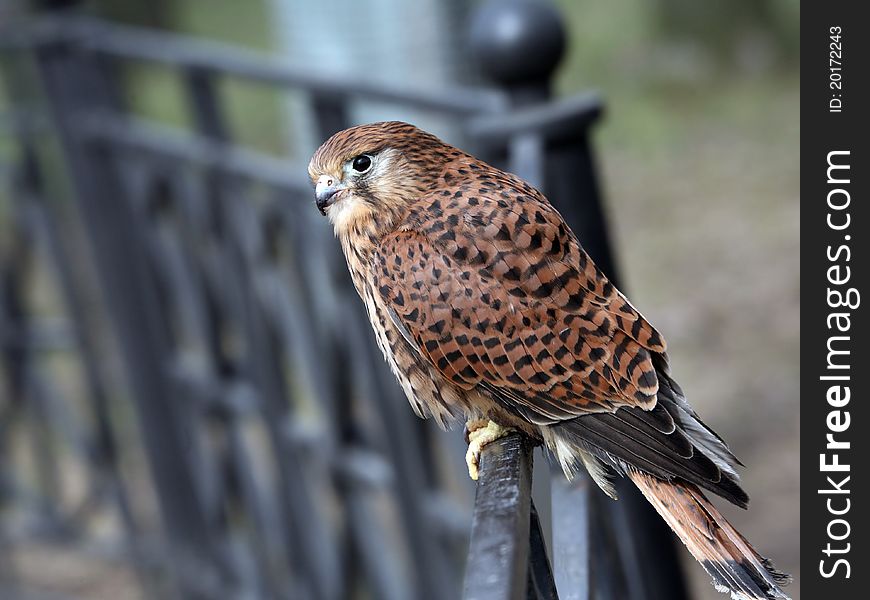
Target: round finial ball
(517, 41)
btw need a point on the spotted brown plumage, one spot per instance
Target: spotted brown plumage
(487, 309)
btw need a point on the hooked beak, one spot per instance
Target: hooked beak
(325, 191)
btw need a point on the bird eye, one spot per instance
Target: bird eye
(361, 163)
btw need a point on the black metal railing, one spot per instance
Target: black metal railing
(282, 455)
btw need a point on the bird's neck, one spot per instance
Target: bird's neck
(359, 244)
(361, 237)
(359, 240)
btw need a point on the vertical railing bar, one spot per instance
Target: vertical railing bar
(606, 566)
(23, 379)
(541, 584)
(205, 112)
(631, 560)
(526, 158)
(572, 536)
(384, 581)
(648, 534)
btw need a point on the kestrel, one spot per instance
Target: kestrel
(489, 311)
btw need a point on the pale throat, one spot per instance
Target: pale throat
(350, 213)
(360, 224)
(357, 225)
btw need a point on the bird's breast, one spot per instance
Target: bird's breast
(429, 394)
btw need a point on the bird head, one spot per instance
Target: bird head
(365, 177)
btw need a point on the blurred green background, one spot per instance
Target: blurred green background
(699, 157)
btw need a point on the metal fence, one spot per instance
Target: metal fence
(283, 457)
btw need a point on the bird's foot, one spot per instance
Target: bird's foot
(478, 434)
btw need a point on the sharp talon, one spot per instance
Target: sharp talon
(478, 435)
(472, 460)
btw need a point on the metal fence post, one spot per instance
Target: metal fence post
(518, 45)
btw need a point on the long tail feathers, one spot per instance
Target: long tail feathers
(734, 565)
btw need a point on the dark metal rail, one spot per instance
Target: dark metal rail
(214, 58)
(281, 451)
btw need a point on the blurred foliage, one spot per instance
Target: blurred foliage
(773, 20)
(658, 61)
